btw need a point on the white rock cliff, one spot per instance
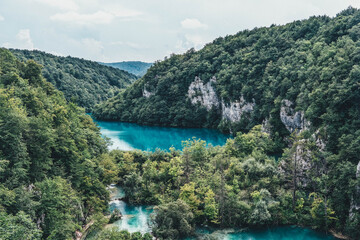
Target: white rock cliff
(291, 119)
(205, 95)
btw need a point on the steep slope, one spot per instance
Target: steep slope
(135, 67)
(52, 171)
(84, 82)
(300, 75)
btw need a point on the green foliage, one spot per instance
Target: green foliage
(314, 63)
(114, 234)
(173, 220)
(19, 226)
(83, 82)
(54, 164)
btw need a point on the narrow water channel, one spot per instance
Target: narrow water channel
(136, 219)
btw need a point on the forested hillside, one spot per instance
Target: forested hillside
(135, 67)
(54, 166)
(304, 74)
(83, 82)
(301, 84)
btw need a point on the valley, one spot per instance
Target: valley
(255, 135)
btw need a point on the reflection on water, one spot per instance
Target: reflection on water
(129, 136)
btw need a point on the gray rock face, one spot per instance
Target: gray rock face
(234, 111)
(355, 201)
(204, 94)
(291, 119)
(265, 126)
(147, 93)
(302, 156)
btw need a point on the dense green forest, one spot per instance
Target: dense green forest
(300, 77)
(239, 185)
(135, 67)
(313, 65)
(290, 95)
(53, 162)
(83, 82)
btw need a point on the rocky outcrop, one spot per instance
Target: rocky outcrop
(204, 94)
(291, 119)
(266, 126)
(147, 93)
(306, 168)
(302, 157)
(355, 201)
(235, 110)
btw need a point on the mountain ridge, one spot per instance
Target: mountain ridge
(82, 81)
(137, 68)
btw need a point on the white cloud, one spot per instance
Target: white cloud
(61, 4)
(129, 44)
(124, 12)
(192, 23)
(99, 17)
(92, 48)
(195, 40)
(2, 18)
(23, 41)
(24, 38)
(355, 3)
(92, 43)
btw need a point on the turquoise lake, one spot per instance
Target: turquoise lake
(137, 218)
(129, 136)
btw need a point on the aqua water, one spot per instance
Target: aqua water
(137, 219)
(129, 136)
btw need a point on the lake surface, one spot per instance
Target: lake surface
(136, 219)
(129, 136)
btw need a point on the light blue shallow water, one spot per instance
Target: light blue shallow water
(136, 219)
(275, 233)
(129, 136)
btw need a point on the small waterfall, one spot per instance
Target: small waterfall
(135, 218)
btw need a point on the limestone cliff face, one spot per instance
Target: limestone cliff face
(355, 202)
(147, 93)
(291, 119)
(235, 110)
(205, 95)
(305, 167)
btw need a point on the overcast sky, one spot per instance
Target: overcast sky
(145, 30)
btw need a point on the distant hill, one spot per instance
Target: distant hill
(135, 67)
(84, 82)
